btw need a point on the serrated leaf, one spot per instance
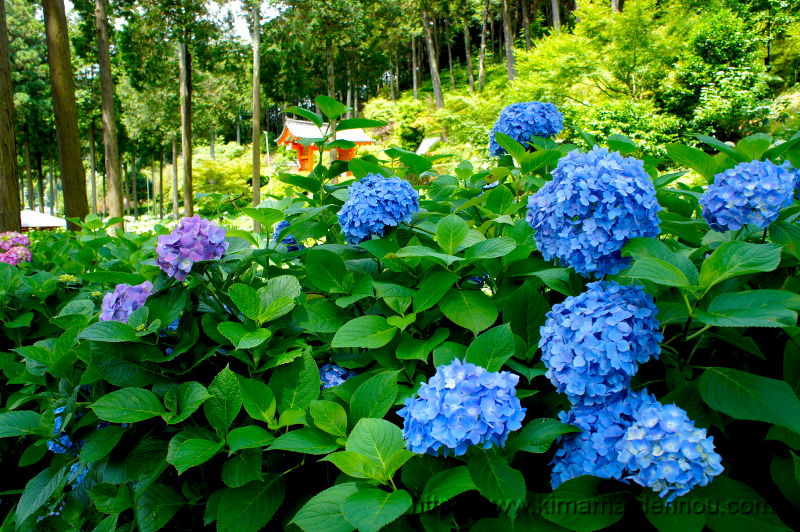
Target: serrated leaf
(369, 332)
(249, 437)
(98, 444)
(538, 435)
(128, 405)
(225, 402)
(374, 397)
(492, 348)
(445, 485)
(323, 513)
(470, 309)
(371, 509)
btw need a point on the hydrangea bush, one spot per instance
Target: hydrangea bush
(433, 362)
(522, 121)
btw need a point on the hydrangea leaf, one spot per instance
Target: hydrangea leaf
(98, 444)
(250, 507)
(376, 439)
(443, 486)
(296, 384)
(323, 513)
(38, 490)
(330, 417)
(249, 437)
(582, 492)
(355, 465)
(242, 468)
(128, 405)
(21, 423)
(470, 309)
(753, 308)
(241, 337)
(110, 331)
(492, 348)
(371, 509)
(325, 270)
(191, 452)
(450, 232)
(539, 434)
(225, 402)
(258, 399)
(432, 288)
(369, 332)
(496, 480)
(156, 506)
(724, 491)
(306, 440)
(733, 259)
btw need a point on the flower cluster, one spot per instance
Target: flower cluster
(119, 304)
(462, 405)
(665, 452)
(289, 240)
(749, 193)
(524, 120)
(595, 203)
(374, 203)
(14, 248)
(60, 443)
(194, 239)
(593, 343)
(332, 375)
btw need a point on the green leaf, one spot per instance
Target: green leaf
(526, 311)
(374, 397)
(724, 148)
(241, 337)
(732, 259)
(246, 299)
(323, 513)
(307, 440)
(582, 492)
(358, 123)
(678, 517)
(355, 465)
(241, 469)
(249, 508)
(191, 452)
(22, 423)
(110, 331)
(191, 395)
(296, 384)
(156, 507)
(451, 232)
(330, 107)
(725, 493)
(377, 440)
(753, 308)
(496, 480)
(37, 491)
(128, 405)
(369, 332)
(697, 160)
(657, 271)
(98, 444)
(277, 298)
(325, 270)
(258, 399)
(538, 435)
(491, 248)
(371, 509)
(249, 437)
(330, 417)
(470, 309)
(424, 252)
(492, 348)
(445, 485)
(432, 288)
(754, 146)
(514, 148)
(621, 143)
(308, 115)
(643, 248)
(225, 402)
(266, 217)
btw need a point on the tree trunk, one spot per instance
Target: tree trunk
(161, 185)
(26, 147)
(256, 177)
(40, 181)
(52, 183)
(414, 66)
(238, 132)
(449, 54)
(435, 79)
(126, 176)
(175, 205)
(509, 41)
(526, 25)
(468, 53)
(556, 14)
(185, 62)
(397, 74)
(111, 147)
(9, 180)
(134, 188)
(331, 74)
(151, 206)
(92, 171)
(66, 117)
(212, 136)
(482, 59)
(392, 92)
(615, 5)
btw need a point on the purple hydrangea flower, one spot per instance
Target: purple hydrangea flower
(749, 193)
(462, 405)
(524, 120)
(375, 203)
(11, 239)
(331, 375)
(593, 343)
(119, 304)
(664, 451)
(593, 451)
(289, 240)
(596, 202)
(194, 239)
(15, 255)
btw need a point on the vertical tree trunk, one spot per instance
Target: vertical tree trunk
(134, 179)
(52, 179)
(151, 205)
(105, 195)
(468, 53)
(449, 54)
(175, 212)
(556, 15)
(238, 132)
(434, 62)
(212, 137)
(111, 147)
(509, 41)
(92, 165)
(63, 87)
(526, 25)
(40, 181)
(185, 61)
(397, 74)
(161, 185)
(126, 176)
(482, 59)
(392, 92)
(331, 75)
(256, 177)
(615, 5)
(414, 66)
(349, 99)
(355, 102)
(26, 147)
(9, 180)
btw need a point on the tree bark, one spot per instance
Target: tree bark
(468, 53)
(185, 62)
(434, 62)
(26, 147)
(9, 180)
(526, 25)
(414, 66)
(66, 117)
(151, 204)
(175, 204)
(509, 41)
(212, 137)
(92, 164)
(134, 179)
(40, 181)
(331, 74)
(161, 185)
(482, 59)
(392, 92)
(256, 177)
(397, 74)
(126, 177)
(113, 169)
(52, 179)
(615, 5)
(449, 54)
(238, 132)
(556, 15)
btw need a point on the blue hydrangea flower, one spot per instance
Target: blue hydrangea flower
(593, 451)
(331, 375)
(289, 240)
(524, 120)
(194, 239)
(462, 405)
(593, 343)
(62, 443)
(120, 304)
(665, 452)
(478, 280)
(749, 193)
(595, 203)
(77, 474)
(375, 203)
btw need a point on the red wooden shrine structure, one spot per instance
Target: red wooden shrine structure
(307, 156)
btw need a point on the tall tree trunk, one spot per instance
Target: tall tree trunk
(392, 92)
(355, 102)
(9, 180)
(468, 53)
(509, 40)
(28, 173)
(105, 196)
(556, 15)
(256, 177)
(331, 75)
(161, 185)
(111, 147)
(175, 203)
(526, 25)
(151, 201)
(615, 5)
(482, 59)
(449, 54)
(434, 62)
(63, 87)
(349, 99)
(40, 181)
(238, 132)
(92, 165)
(212, 137)
(185, 62)
(397, 74)
(414, 67)
(134, 187)
(52, 179)
(126, 176)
